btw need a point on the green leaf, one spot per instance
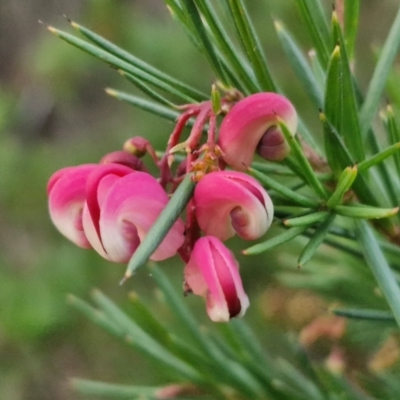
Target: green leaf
(114, 391)
(349, 126)
(306, 220)
(138, 338)
(380, 75)
(299, 65)
(136, 62)
(345, 181)
(372, 315)
(228, 370)
(314, 21)
(333, 111)
(351, 17)
(366, 212)
(379, 157)
(305, 167)
(393, 134)
(163, 224)
(275, 241)
(145, 105)
(120, 64)
(379, 267)
(284, 190)
(227, 48)
(190, 10)
(316, 240)
(147, 90)
(95, 315)
(251, 45)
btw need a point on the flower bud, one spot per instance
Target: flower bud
(213, 273)
(252, 125)
(124, 158)
(229, 202)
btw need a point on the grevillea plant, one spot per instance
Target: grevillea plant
(248, 162)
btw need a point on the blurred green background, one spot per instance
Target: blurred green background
(55, 113)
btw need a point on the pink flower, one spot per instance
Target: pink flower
(110, 208)
(251, 125)
(230, 201)
(213, 272)
(66, 191)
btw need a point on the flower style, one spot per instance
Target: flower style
(230, 201)
(213, 272)
(251, 125)
(110, 208)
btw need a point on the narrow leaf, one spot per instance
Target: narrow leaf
(299, 64)
(226, 46)
(138, 338)
(379, 267)
(351, 17)
(163, 224)
(349, 126)
(284, 190)
(380, 75)
(95, 315)
(143, 104)
(315, 22)
(192, 14)
(275, 241)
(136, 62)
(381, 156)
(147, 90)
(372, 315)
(114, 391)
(251, 45)
(306, 220)
(393, 134)
(333, 110)
(345, 181)
(318, 237)
(305, 167)
(119, 64)
(366, 212)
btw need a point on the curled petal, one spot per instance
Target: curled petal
(231, 201)
(128, 207)
(248, 121)
(66, 191)
(213, 272)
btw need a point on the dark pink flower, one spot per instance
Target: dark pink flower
(251, 125)
(230, 201)
(213, 273)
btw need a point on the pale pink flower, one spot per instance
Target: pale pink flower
(252, 125)
(66, 191)
(213, 273)
(230, 201)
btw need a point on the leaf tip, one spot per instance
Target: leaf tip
(278, 25)
(111, 92)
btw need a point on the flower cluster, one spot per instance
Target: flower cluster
(111, 206)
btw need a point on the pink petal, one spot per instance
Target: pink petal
(97, 186)
(66, 191)
(129, 208)
(246, 123)
(231, 201)
(213, 272)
